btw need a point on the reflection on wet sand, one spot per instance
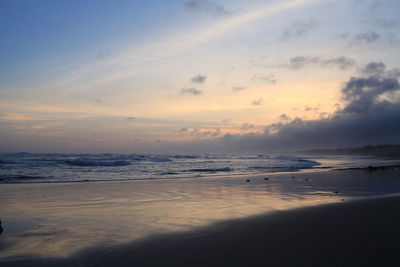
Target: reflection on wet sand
(70, 217)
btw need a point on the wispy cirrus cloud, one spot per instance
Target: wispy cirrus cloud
(121, 65)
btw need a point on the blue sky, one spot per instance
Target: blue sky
(107, 76)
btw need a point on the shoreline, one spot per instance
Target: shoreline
(354, 233)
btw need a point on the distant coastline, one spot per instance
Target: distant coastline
(390, 150)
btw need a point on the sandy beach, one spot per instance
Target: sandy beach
(358, 233)
(336, 218)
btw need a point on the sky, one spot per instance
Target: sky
(198, 76)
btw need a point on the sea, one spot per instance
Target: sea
(49, 168)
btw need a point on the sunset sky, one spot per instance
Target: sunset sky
(186, 76)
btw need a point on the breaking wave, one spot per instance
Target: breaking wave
(27, 167)
(97, 163)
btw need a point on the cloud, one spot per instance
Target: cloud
(192, 91)
(370, 115)
(199, 78)
(226, 121)
(246, 126)
(368, 37)
(238, 88)
(384, 22)
(257, 102)
(362, 94)
(207, 6)
(298, 28)
(217, 132)
(301, 62)
(205, 133)
(119, 66)
(372, 4)
(98, 100)
(284, 117)
(269, 79)
(367, 118)
(394, 73)
(311, 109)
(374, 68)
(103, 54)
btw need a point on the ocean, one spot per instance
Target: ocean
(46, 168)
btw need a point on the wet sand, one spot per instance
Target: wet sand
(353, 233)
(358, 233)
(215, 222)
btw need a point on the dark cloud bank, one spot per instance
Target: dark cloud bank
(371, 115)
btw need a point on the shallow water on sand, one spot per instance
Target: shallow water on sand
(58, 220)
